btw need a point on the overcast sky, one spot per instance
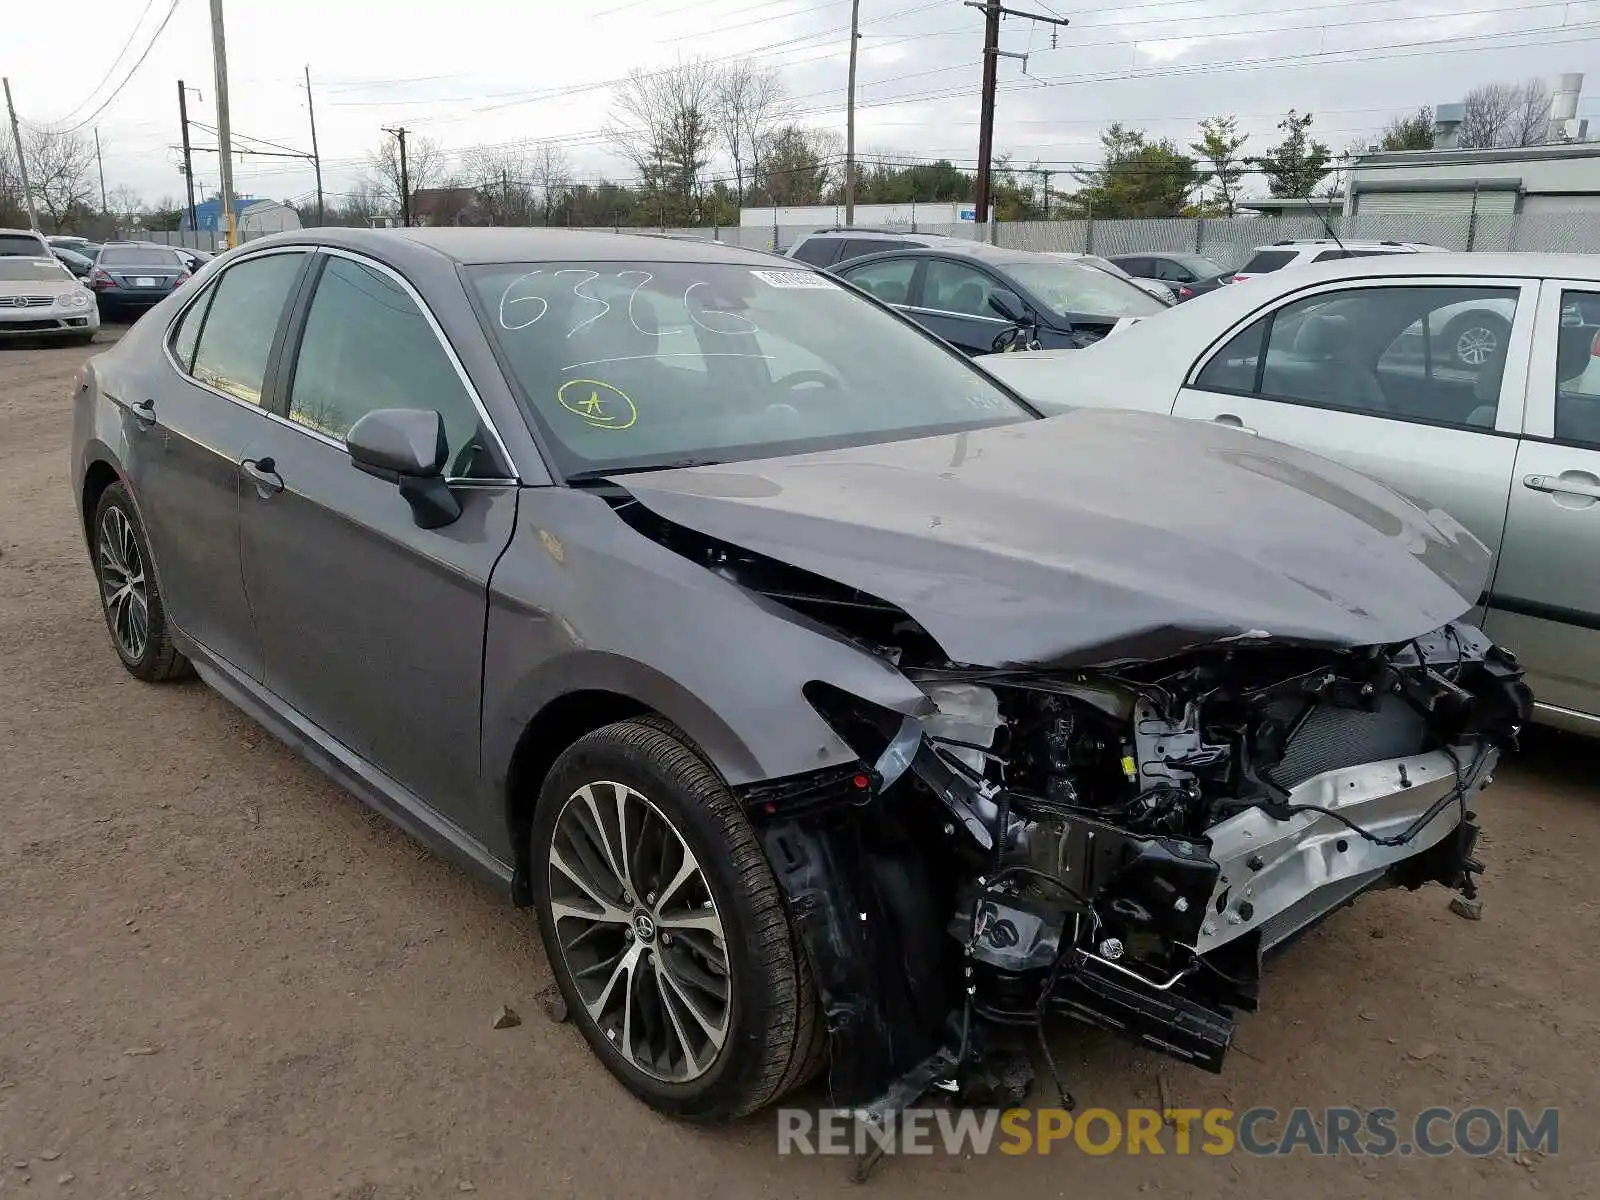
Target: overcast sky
(474, 72)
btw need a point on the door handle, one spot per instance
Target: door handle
(1232, 422)
(1553, 483)
(144, 412)
(265, 474)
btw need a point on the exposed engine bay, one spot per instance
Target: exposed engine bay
(1115, 838)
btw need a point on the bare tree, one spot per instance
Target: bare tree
(125, 201)
(425, 168)
(1531, 120)
(665, 123)
(501, 176)
(61, 170)
(363, 205)
(11, 206)
(1488, 115)
(550, 175)
(751, 105)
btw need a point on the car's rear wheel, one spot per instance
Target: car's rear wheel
(129, 596)
(665, 929)
(1476, 339)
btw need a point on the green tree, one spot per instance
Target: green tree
(1297, 164)
(1221, 169)
(793, 166)
(1414, 132)
(1139, 177)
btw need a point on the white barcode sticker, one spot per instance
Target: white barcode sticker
(795, 279)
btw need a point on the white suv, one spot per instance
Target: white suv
(1314, 250)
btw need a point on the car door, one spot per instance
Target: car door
(1545, 602)
(371, 627)
(1356, 372)
(954, 303)
(188, 431)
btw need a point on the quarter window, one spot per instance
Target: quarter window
(1578, 370)
(819, 252)
(368, 346)
(236, 335)
(187, 334)
(1429, 354)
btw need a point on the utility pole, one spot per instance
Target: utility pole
(188, 157)
(399, 133)
(219, 56)
(316, 157)
(100, 166)
(850, 119)
(22, 161)
(992, 12)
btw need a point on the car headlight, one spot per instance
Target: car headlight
(73, 299)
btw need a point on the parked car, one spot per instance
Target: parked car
(78, 245)
(1188, 275)
(1360, 361)
(827, 247)
(24, 242)
(959, 291)
(1301, 252)
(73, 261)
(134, 276)
(40, 298)
(773, 653)
(1157, 289)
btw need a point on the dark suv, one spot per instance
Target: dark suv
(829, 247)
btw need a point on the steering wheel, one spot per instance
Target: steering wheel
(795, 378)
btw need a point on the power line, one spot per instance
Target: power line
(132, 71)
(115, 63)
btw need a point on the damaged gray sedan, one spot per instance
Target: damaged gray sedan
(828, 706)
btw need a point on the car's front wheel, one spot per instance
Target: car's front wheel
(665, 929)
(129, 595)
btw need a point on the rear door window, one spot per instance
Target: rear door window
(1263, 261)
(236, 338)
(1578, 371)
(889, 281)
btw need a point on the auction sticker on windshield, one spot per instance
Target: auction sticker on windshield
(794, 279)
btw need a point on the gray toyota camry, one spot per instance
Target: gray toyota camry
(828, 706)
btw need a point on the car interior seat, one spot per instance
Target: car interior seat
(1322, 367)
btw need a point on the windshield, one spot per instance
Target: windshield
(32, 270)
(138, 256)
(634, 365)
(1079, 288)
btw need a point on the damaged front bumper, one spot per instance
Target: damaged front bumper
(1276, 877)
(1122, 850)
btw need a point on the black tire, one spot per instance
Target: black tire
(1475, 340)
(157, 659)
(774, 1038)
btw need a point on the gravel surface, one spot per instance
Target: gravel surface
(221, 976)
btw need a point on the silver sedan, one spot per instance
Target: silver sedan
(1469, 382)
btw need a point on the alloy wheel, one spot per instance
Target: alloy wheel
(123, 588)
(1477, 345)
(639, 932)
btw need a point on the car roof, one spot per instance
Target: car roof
(960, 247)
(868, 231)
(473, 245)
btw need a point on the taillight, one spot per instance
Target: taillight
(181, 279)
(1238, 279)
(99, 278)
(1594, 346)
(1184, 292)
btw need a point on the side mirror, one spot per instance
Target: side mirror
(407, 447)
(1009, 305)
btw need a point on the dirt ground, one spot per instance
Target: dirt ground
(221, 976)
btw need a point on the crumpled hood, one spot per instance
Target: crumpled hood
(1094, 536)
